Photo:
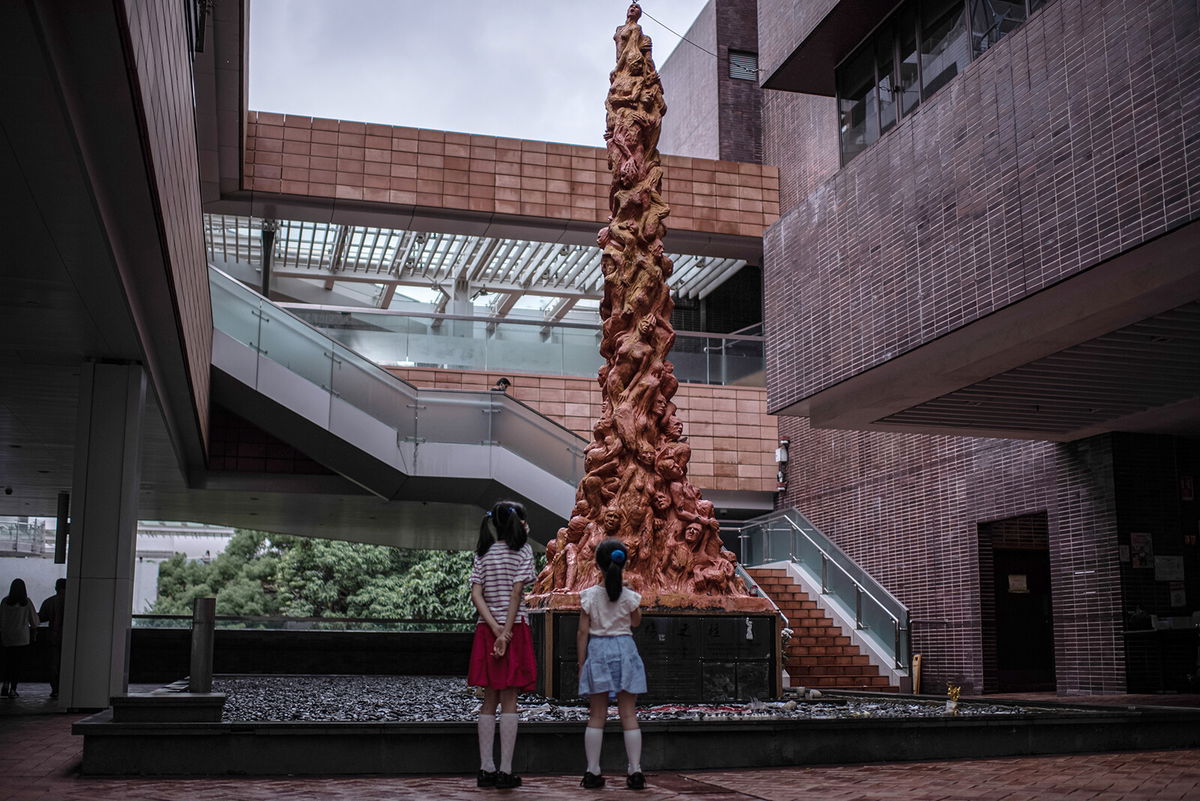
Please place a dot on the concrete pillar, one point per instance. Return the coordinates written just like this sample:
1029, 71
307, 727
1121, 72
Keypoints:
103, 535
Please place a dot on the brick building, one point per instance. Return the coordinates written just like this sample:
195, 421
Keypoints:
982, 319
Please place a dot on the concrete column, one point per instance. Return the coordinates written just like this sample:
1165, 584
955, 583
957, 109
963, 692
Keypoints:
103, 535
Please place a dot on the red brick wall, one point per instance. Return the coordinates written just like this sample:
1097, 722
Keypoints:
317, 157
1073, 140
908, 509
733, 438
164, 72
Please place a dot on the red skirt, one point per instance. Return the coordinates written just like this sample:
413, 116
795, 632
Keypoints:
516, 669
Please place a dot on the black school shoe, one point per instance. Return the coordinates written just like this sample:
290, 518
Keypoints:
487, 778
591, 781
635, 781
507, 781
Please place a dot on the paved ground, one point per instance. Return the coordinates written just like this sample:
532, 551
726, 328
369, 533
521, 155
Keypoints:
39, 759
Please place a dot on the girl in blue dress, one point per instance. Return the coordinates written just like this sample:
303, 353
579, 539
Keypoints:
612, 667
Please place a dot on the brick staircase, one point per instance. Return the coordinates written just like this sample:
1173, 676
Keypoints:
819, 655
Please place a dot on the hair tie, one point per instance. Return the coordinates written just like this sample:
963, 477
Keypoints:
617, 557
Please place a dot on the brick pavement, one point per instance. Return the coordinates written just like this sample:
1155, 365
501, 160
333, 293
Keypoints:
39, 759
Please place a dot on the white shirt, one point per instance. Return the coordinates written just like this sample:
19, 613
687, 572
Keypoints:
15, 622
608, 618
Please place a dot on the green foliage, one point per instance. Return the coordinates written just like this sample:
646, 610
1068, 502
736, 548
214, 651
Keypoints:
302, 577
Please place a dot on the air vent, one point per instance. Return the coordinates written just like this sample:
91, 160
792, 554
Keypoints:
743, 66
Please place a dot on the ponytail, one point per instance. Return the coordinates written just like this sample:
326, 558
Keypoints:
610, 558
508, 520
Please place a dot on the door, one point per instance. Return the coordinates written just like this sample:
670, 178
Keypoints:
1024, 620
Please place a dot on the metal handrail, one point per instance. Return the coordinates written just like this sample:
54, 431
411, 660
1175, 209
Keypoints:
829, 553
825, 559
467, 318
745, 576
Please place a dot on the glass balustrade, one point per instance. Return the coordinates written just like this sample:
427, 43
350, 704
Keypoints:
401, 339
415, 415
876, 614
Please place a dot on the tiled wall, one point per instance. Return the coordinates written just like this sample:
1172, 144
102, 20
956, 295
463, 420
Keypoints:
355, 161
908, 509
739, 104
709, 113
164, 73
691, 125
783, 25
805, 161
733, 438
1075, 139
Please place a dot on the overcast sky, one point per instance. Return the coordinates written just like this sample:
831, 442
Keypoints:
530, 69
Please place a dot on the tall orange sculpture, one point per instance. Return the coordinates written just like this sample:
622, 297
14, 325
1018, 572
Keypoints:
635, 484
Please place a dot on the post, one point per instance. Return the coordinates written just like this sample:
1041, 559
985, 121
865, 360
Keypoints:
204, 618
61, 530
858, 593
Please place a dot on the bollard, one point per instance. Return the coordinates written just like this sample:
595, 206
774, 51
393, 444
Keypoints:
204, 615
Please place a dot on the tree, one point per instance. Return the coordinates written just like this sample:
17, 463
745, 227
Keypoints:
261, 574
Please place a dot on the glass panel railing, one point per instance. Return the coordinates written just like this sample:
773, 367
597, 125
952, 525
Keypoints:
235, 313
524, 432
861, 599
451, 416
427, 415
404, 339
292, 344
366, 387
22, 537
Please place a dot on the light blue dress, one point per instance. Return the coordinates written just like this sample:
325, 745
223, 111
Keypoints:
612, 662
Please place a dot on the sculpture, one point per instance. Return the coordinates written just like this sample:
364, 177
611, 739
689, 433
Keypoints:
635, 482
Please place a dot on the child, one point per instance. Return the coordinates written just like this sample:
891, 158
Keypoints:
612, 666
502, 653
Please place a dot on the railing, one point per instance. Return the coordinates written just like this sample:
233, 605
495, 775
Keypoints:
787, 536
280, 623
453, 342
21, 537
414, 415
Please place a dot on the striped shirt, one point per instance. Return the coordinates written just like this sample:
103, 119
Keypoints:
498, 570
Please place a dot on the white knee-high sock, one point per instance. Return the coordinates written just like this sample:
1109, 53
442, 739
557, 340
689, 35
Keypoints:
633, 749
508, 739
592, 740
487, 738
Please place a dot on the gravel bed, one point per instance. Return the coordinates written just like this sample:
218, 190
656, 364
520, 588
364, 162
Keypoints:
440, 698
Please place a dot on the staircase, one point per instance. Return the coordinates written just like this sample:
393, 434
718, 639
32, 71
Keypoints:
819, 655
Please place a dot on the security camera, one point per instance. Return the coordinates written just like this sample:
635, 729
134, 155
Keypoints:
8, 490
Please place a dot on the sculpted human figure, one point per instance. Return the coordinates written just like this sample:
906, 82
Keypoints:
635, 484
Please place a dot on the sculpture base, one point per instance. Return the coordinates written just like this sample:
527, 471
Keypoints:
666, 601
691, 655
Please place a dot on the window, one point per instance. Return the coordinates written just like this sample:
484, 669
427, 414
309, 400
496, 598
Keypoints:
857, 106
992, 19
944, 51
923, 46
743, 66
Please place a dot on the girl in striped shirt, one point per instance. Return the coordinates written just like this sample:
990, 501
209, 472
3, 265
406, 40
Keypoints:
502, 660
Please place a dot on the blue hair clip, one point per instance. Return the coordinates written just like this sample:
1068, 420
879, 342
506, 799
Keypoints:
617, 556
489, 514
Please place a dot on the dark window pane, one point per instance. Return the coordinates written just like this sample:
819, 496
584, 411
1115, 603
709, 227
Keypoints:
1034, 5
945, 51
992, 19
858, 116
743, 65
885, 60
910, 75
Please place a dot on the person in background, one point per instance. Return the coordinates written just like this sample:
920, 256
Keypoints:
51, 612
18, 619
